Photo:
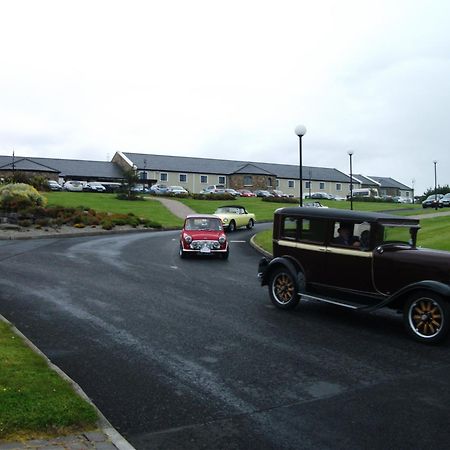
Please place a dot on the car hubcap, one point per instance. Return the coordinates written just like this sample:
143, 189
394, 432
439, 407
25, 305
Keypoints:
283, 288
426, 317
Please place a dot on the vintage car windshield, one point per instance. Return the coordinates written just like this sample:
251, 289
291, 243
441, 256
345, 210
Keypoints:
398, 234
229, 210
203, 224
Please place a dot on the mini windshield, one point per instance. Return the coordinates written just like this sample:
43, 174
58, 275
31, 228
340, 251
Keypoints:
203, 224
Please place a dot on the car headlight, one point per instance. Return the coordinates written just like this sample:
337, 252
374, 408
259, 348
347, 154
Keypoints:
225, 220
222, 240
187, 238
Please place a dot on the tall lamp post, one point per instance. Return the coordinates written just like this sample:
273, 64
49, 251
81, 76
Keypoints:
300, 131
435, 185
350, 154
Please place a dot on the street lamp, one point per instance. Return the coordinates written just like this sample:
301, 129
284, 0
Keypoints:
350, 154
144, 176
435, 185
300, 131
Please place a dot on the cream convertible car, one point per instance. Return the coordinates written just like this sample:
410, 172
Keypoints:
235, 217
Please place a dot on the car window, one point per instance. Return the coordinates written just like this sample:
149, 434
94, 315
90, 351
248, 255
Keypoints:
304, 230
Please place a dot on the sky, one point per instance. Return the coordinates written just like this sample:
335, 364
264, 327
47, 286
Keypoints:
231, 80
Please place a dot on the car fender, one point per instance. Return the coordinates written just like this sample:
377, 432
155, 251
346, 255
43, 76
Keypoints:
398, 298
266, 267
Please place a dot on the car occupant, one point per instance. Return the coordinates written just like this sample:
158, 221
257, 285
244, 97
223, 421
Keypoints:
345, 232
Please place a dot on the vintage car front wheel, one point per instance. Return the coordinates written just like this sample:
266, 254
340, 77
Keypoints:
283, 289
426, 317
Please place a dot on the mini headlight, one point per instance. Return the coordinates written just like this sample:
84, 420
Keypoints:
187, 238
222, 239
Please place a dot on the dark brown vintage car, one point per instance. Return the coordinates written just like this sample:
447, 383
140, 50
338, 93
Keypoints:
362, 261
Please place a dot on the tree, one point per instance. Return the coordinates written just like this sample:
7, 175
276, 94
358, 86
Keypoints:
130, 179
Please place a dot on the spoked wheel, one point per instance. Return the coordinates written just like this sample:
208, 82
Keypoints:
283, 289
250, 224
232, 226
426, 317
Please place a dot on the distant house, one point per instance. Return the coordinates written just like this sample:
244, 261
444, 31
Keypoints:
195, 174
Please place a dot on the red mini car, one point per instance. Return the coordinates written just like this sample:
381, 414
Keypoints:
203, 234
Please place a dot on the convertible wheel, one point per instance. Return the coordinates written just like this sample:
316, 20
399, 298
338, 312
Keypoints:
250, 224
426, 317
283, 289
232, 226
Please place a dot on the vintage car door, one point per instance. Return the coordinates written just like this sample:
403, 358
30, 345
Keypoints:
349, 265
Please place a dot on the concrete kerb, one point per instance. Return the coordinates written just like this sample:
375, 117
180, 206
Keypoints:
105, 426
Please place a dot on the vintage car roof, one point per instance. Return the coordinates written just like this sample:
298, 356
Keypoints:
231, 206
347, 215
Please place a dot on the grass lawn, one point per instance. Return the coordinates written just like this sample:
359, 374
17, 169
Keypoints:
435, 234
149, 209
34, 400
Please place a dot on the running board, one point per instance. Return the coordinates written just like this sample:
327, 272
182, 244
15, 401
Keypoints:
333, 302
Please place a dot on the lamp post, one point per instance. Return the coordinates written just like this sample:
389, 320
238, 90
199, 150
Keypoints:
300, 131
435, 185
350, 154
144, 176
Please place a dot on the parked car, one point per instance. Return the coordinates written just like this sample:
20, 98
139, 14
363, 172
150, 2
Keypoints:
214, 189
246, 193
73, 186
140, 189
234, 216
94, 186
360, 261
263, 193
232, 192
158, 189
432, 201
445, 200
176, 190
321, 195
277, 193
203, 234
314, 205
54, 185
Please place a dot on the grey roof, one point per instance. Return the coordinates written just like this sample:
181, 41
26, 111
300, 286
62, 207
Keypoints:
71, 168
386, 182
26, 164
228, 167
365, 180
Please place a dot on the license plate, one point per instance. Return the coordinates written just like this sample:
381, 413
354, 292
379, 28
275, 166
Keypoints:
205, 250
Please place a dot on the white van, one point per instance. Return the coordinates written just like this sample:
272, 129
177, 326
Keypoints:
73, 186
364, 192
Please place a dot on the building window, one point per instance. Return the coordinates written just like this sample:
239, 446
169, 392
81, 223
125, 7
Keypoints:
277, 182
338, 186
163, 176
183, 178
321, 186
204, 179
308, 184
269, 182
291, 183
143, 175
221, 180
248, 180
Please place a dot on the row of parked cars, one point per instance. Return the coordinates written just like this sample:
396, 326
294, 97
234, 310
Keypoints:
80, 186
437, 201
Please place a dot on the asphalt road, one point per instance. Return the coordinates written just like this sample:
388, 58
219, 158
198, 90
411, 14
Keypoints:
190, 354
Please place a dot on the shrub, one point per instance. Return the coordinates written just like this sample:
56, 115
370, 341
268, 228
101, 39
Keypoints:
280, 200
226, 197
107, 224
14, 197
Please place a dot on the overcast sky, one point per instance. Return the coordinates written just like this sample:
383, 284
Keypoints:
83, 79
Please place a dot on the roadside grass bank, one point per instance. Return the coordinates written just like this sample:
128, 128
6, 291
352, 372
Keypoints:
434, 234
35, 402
147, 209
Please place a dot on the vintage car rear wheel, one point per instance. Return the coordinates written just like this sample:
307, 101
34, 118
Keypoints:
250, 224
283, 289
426, 317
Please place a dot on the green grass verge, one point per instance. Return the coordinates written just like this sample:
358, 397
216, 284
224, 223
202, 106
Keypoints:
434, 234
34, 400
148, 209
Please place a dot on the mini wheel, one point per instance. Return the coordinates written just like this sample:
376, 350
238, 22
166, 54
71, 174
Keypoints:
283, 289
226, 254
426, 317
181, 252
